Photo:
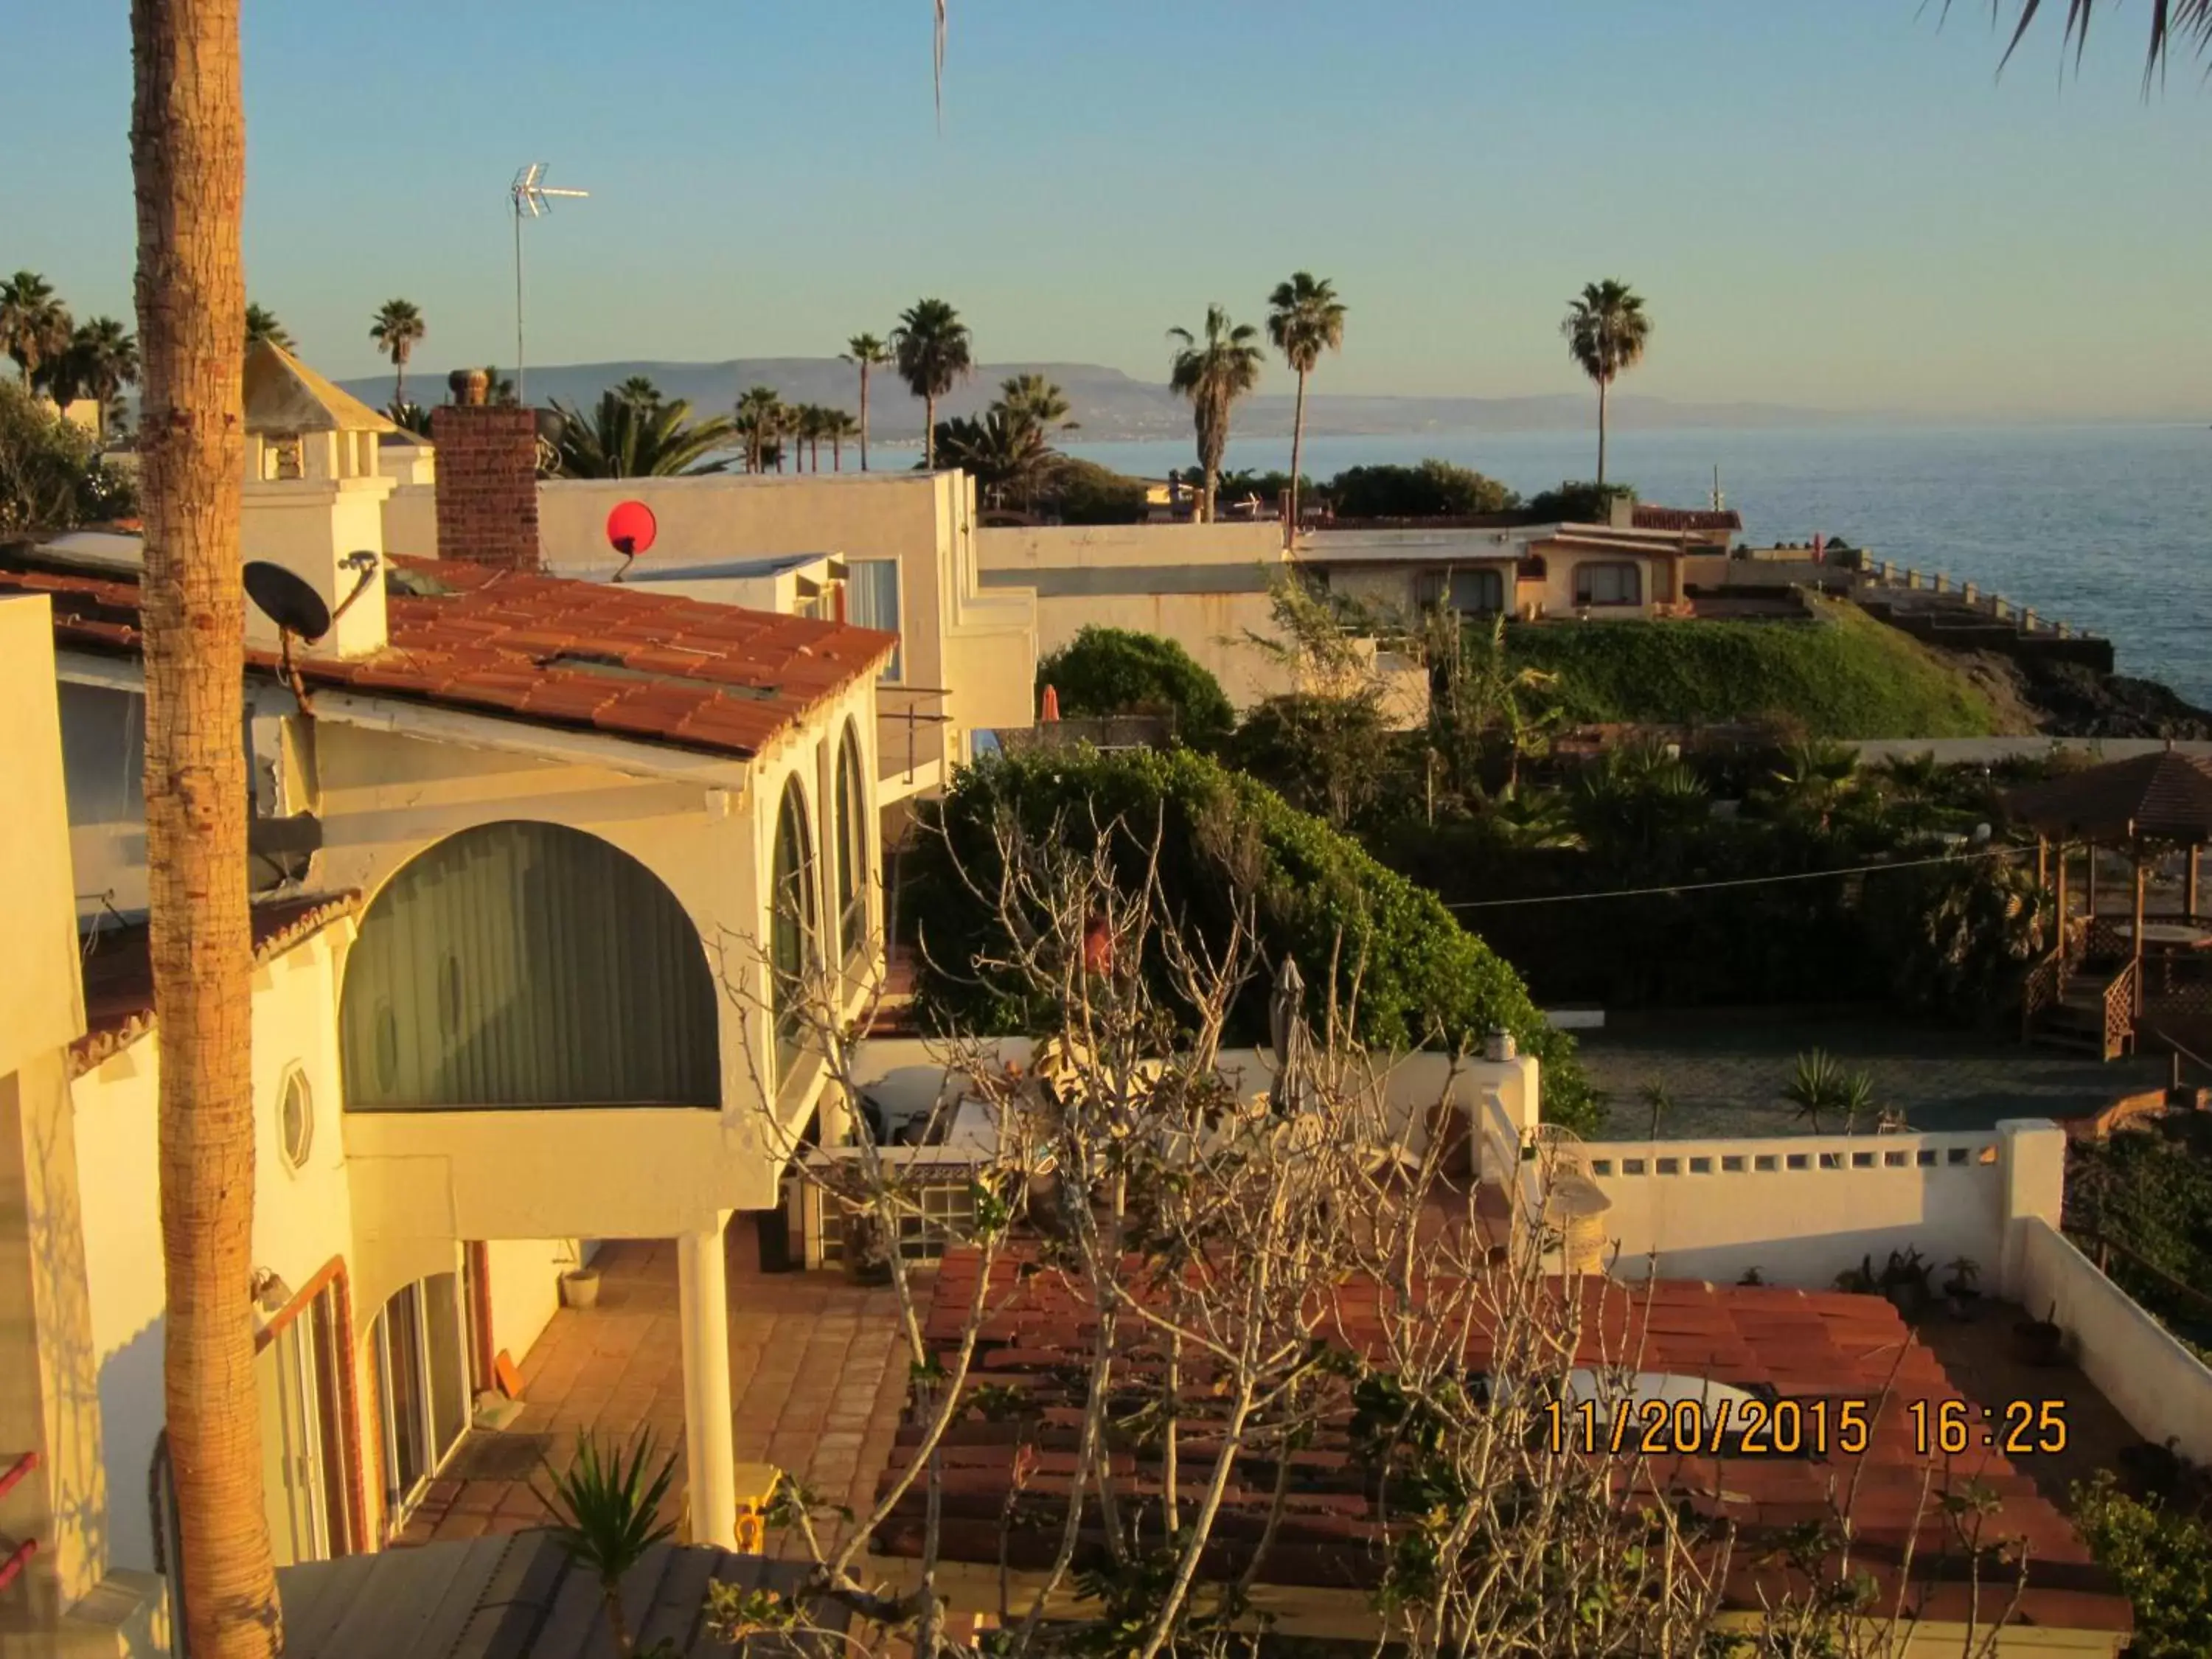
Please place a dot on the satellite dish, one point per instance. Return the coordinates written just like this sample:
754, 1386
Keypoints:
631, 529
287, 600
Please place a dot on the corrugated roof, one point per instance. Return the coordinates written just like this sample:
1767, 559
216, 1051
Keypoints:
1794, 1343
2159, 797
118, 969
597, 656
285, 397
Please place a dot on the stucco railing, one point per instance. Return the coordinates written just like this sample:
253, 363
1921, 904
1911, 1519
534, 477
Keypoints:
2163, 1389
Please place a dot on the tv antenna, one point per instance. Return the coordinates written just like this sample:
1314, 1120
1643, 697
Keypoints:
532, 198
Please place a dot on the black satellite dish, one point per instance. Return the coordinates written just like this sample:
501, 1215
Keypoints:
287, 600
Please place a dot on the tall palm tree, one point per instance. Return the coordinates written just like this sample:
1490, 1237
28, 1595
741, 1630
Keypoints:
35, 324
1037, 401
866, 351
756, 423
102, 358
932, 347
397, 326
1305, 318
839, 426
1606, 329
621, 439
188, 164
261, 324
1213, 369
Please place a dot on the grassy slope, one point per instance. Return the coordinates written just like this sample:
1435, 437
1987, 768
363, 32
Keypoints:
1849, 677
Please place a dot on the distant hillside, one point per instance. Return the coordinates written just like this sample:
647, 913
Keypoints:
1109, 404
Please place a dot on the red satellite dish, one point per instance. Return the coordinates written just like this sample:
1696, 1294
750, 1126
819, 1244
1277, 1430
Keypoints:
631, 528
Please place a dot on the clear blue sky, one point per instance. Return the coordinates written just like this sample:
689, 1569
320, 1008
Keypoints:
1825, 202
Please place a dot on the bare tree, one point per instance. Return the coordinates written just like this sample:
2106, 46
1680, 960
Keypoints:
1263, 1307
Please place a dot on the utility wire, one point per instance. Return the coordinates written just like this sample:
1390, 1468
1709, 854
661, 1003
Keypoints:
1741, 881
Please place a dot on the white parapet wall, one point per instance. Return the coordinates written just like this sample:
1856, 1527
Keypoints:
2163, 1389
1802, 1209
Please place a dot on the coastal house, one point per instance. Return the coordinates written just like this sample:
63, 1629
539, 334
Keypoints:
1482, 568
898, 551
539, 866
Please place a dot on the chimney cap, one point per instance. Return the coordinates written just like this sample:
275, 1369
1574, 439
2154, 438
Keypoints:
470, 386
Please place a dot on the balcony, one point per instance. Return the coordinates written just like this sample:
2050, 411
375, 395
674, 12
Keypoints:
911, 722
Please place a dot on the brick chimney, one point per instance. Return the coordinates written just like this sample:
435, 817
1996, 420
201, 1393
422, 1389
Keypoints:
487, 476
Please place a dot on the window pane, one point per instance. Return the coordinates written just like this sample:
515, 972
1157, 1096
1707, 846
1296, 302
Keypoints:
1477, 591
791, 931
448, 1362
871, 600
852, 843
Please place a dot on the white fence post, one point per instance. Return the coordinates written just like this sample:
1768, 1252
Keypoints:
2032, 1159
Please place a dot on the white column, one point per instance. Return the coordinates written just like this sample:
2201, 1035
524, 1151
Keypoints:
2032, 1165
709, 1459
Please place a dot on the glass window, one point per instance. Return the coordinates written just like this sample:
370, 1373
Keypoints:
295, 1119
871, 600
791, 936
852, 845
1609, 584
1477, 592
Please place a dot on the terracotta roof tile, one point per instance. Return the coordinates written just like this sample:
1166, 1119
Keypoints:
1686, 517
595, 655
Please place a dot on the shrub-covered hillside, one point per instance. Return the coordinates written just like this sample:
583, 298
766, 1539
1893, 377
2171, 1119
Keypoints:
1844, 676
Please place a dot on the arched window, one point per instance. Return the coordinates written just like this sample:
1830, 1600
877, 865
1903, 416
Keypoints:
793, 945
527, 964
852, 844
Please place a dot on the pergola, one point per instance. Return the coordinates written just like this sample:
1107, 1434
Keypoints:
2144, 807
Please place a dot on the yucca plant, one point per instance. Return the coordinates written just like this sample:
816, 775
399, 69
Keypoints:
606, 1515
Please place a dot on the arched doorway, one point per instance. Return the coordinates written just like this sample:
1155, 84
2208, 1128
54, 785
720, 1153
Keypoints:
527, 964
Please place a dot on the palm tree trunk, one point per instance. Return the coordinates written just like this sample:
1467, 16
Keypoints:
1600, 431
399, 380
617, 1618
188, 162
864, 417
929, 433
837, 452
1298, 449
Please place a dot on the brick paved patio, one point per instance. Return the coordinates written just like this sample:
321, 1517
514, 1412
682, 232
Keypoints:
817, 1380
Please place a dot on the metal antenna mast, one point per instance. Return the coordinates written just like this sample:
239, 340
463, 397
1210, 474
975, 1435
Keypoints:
532, 199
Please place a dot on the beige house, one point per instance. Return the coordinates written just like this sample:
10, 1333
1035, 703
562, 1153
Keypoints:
1597, 572
538, 863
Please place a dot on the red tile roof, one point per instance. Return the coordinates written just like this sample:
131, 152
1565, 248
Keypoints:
552, 652
1686, 517
118, 969
1788, 1342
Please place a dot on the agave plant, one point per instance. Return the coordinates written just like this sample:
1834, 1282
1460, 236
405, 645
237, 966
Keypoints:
1820, 1084
621, 439
606, 1516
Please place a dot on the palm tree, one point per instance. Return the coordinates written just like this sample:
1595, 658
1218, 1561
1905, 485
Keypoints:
498, 391
756, 423
840, 426
1002, 453
35, 324
606, 1517
619, 439
1214, 370
1606, 330
261, 324
866, 352
1305, 318
639, 389
397, 326
931, 345
102, 358
188, 166
2189, 21
1037, 401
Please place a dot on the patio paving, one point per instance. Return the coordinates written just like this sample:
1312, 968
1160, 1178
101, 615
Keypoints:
1724, 1077
816, 1381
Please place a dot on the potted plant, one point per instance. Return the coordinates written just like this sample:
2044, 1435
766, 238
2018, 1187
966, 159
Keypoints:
1961, 1296
868, 1247
2042, 1341
580, 1287
1904, 1282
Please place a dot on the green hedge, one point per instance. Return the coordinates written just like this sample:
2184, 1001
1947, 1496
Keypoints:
1112, 671
1844, 676
1424, 981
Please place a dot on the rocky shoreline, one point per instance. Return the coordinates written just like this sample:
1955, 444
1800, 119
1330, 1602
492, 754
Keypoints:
2069, 699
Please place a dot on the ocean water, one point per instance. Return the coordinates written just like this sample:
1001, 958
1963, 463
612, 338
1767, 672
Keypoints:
2106, 527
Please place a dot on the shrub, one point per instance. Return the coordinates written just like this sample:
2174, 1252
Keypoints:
1433, 489
2163, 1559
1958, 936
1112, 671
51, 476
1580, 503
1321, 754
1420, 978
1087, 493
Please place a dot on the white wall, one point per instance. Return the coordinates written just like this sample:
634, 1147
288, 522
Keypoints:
301, 1218
2162, 1389
526, 1288
1802, 1209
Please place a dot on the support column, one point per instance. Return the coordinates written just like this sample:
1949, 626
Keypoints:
2189, 896
702, 1306
2138, 936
